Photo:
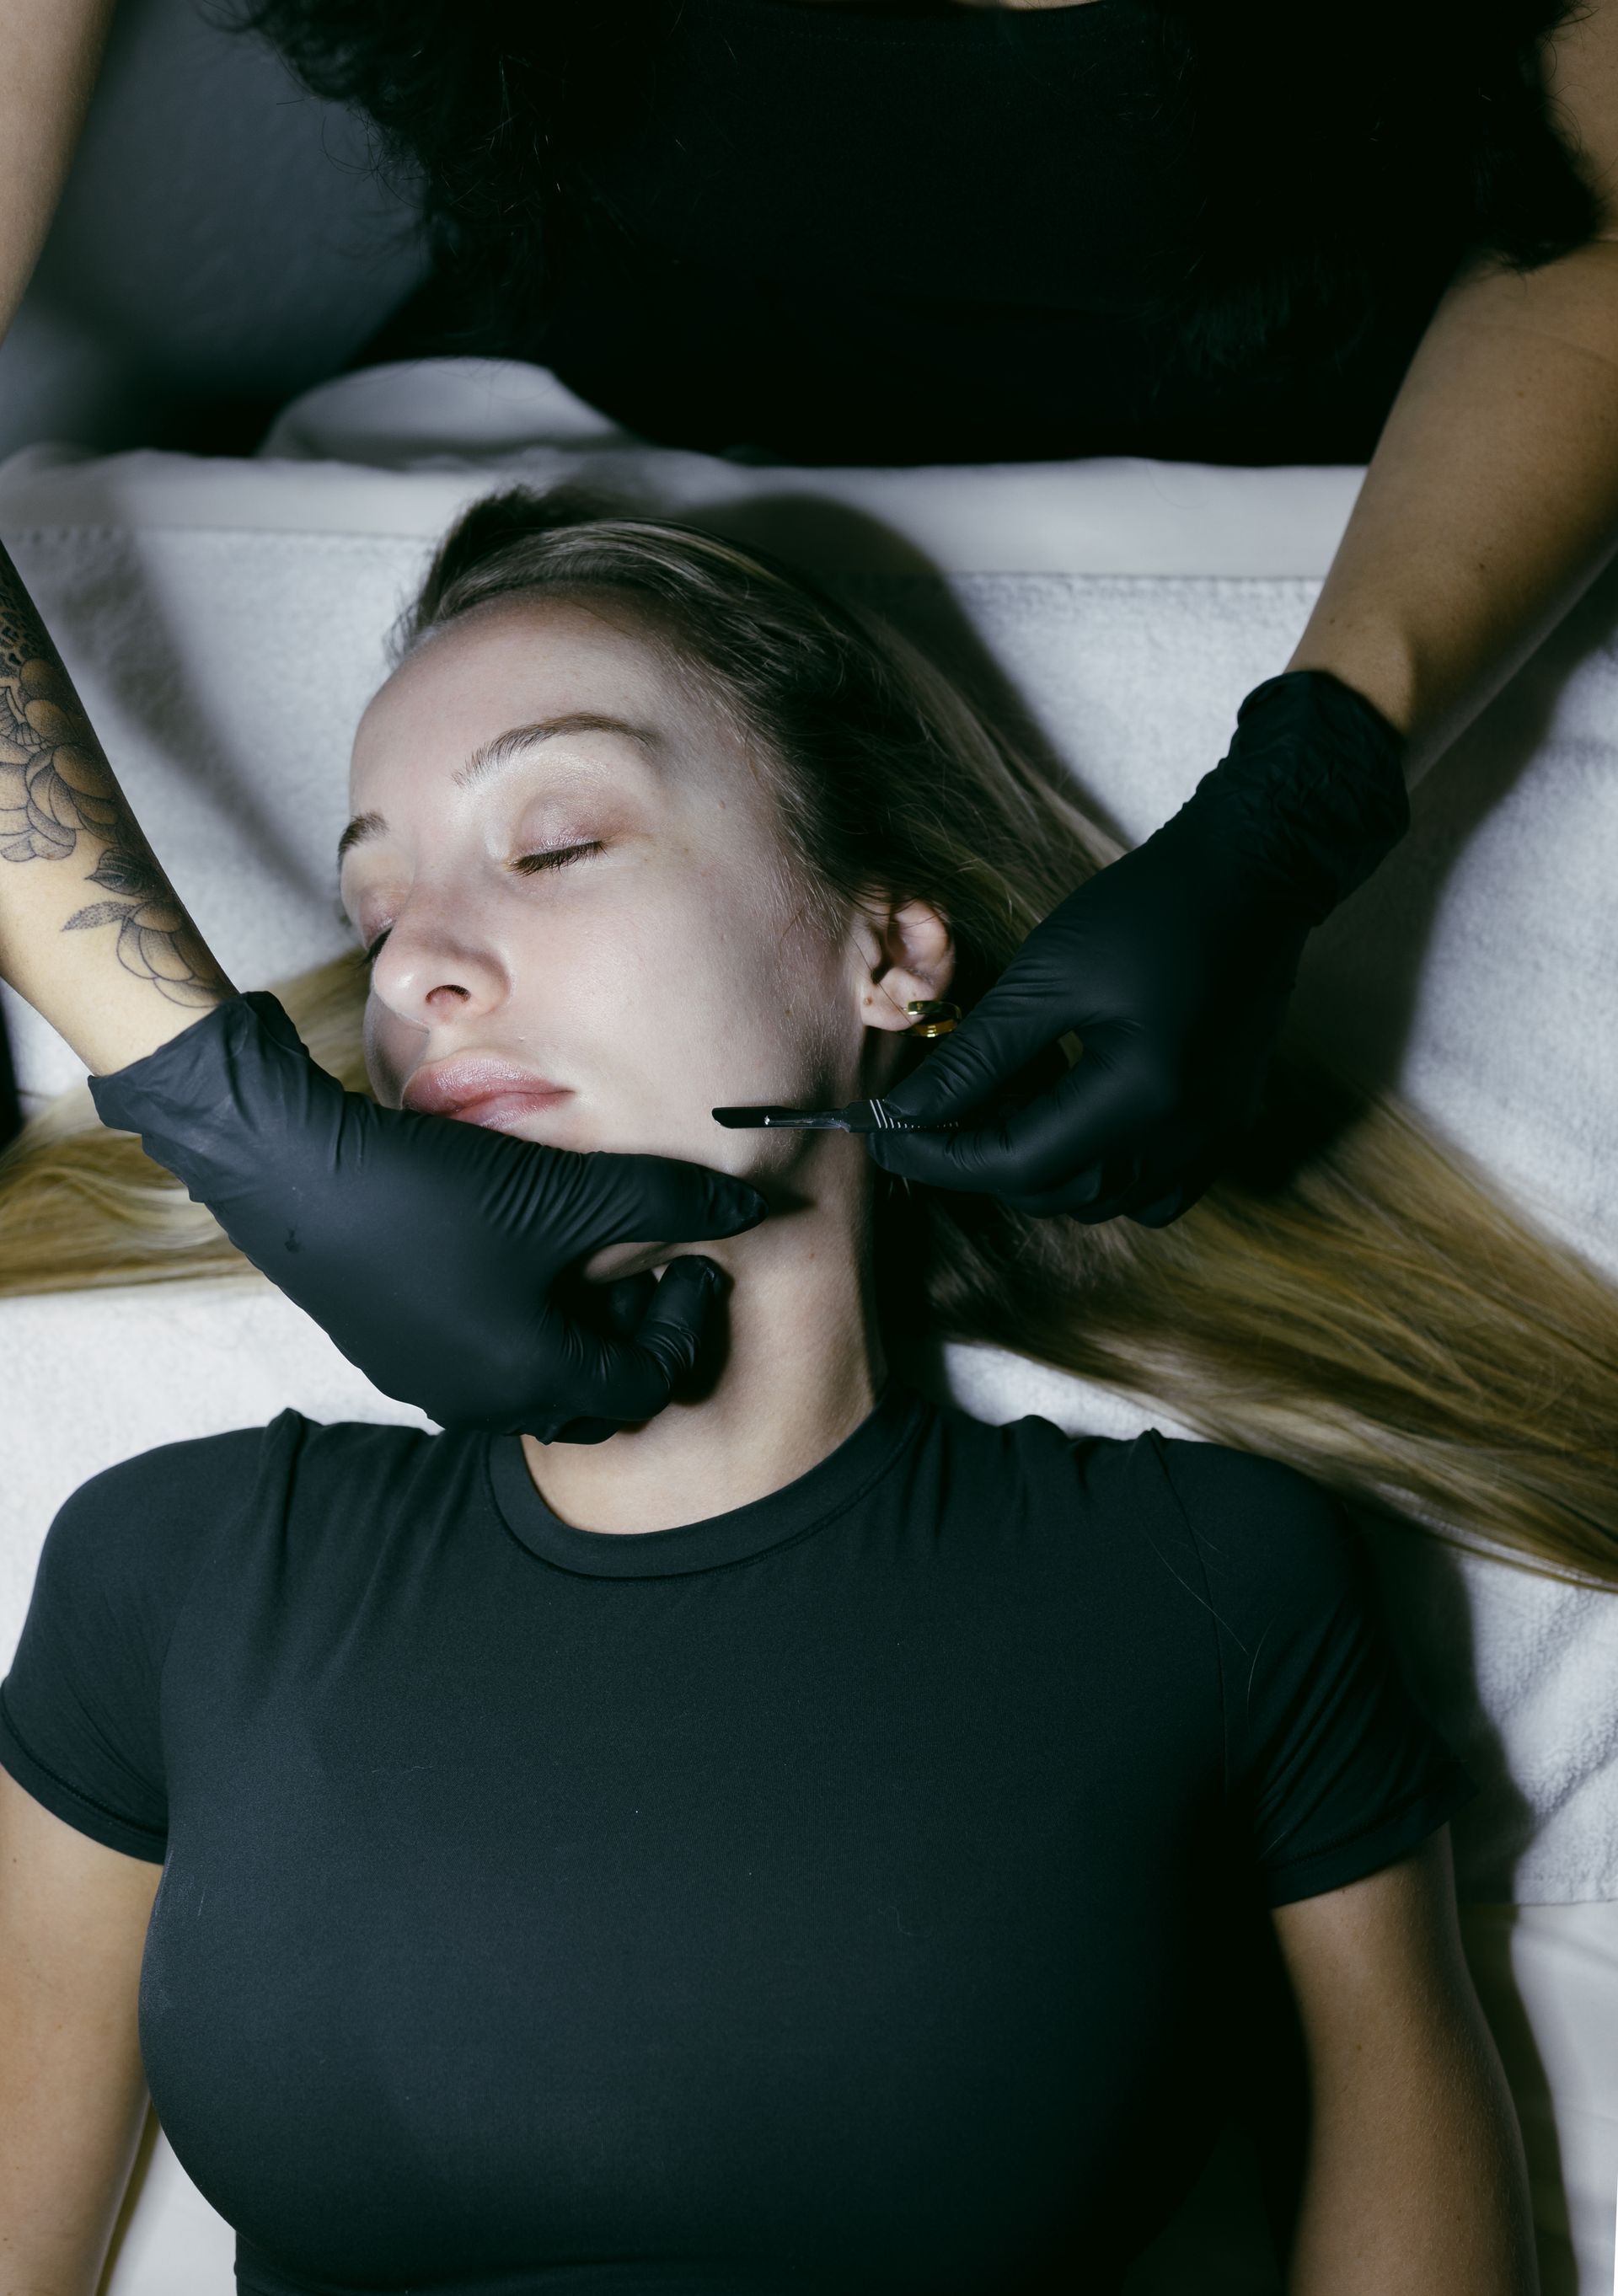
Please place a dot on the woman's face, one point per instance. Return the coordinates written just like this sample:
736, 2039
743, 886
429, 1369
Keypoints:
585, 933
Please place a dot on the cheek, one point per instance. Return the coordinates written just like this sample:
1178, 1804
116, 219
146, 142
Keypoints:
726, 1008
689, 1011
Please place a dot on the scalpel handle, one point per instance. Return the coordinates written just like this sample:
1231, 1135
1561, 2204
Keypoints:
858, 1116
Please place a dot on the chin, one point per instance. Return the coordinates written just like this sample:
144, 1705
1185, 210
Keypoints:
546, 1127
614, 1261
564, 1126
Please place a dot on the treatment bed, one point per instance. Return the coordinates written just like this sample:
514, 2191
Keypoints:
224, 620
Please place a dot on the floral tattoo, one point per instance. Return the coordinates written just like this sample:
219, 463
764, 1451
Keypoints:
56, 788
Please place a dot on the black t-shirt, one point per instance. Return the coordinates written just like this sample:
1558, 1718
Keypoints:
838, 235
839, 1894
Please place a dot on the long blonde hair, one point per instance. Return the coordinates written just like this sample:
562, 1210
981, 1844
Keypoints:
1350, 1297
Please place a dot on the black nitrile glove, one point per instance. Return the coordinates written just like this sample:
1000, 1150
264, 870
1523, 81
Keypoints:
1173, 966
429, 1249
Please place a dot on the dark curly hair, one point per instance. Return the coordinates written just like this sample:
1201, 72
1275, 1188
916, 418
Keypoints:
1348, 150
1344, 149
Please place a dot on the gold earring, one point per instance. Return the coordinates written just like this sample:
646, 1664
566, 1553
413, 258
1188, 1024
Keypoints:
934, 1016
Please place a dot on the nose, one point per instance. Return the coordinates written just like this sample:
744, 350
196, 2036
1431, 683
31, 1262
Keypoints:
434, 967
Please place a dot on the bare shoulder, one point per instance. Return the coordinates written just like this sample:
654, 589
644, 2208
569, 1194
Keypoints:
1581, 81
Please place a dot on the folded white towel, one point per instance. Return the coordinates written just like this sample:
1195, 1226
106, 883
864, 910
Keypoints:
225, 622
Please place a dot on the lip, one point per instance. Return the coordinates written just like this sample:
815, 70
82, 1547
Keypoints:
479, 1089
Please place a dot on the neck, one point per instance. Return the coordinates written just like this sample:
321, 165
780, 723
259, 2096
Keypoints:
803, 1366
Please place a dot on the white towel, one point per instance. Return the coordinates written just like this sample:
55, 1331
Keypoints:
224, 621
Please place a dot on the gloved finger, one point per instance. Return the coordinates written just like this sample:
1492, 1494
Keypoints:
1167, 1210
1010, 1025
1096, 1111
1167, 1207
583, 1201
631, 1380
625, 1301
1091, 1195
581, 1430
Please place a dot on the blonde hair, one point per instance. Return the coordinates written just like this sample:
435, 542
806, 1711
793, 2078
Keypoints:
1349, 1297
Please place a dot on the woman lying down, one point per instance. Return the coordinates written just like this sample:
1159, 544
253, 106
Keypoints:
809, 1839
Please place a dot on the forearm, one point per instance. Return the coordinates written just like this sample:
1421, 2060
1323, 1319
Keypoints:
1490, 503
51, 51
91, 931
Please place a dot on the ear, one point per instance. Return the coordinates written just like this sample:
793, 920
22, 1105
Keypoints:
906, 951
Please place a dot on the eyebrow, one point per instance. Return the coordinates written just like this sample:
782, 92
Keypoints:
490, 756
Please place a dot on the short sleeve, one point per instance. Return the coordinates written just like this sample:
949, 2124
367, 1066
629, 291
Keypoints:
1333, 1770
79, 1709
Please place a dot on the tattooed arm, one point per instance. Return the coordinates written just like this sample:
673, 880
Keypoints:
91, 931
439, 1257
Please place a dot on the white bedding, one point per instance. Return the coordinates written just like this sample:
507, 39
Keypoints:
224, 621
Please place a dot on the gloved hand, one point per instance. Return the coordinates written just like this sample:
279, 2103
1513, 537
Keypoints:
429, 1249
1173, 966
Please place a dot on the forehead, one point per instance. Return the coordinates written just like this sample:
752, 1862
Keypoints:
517, 661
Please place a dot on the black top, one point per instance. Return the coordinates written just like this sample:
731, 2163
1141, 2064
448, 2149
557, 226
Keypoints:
823, 233
840, 1894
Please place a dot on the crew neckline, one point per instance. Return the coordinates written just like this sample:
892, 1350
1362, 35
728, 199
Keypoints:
827, 1489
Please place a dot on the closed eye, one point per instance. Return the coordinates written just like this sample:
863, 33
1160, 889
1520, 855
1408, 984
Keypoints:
557, 856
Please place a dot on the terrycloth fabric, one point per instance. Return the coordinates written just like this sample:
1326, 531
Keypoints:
225, 622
